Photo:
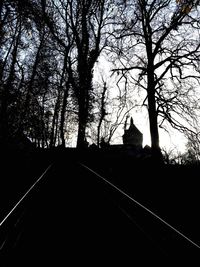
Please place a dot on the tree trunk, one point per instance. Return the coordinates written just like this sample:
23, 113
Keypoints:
62, 120
102, 113
153, 119
64, 102
54, 123
83, 117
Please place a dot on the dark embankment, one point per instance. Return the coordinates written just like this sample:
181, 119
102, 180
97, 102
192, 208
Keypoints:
72, 216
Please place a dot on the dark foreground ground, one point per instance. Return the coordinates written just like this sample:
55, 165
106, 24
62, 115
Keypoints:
72, 217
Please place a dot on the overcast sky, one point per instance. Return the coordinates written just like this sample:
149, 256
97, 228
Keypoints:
168, 140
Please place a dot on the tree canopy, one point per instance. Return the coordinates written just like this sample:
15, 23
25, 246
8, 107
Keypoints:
49, 52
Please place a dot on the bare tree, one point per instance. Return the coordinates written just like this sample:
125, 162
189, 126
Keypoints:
87, 21
193, 147
9, 79
102, 113
80, 41
158, 49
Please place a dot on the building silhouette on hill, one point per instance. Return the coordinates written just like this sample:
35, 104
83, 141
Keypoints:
132, 136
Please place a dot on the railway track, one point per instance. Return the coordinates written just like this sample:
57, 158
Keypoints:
73, 214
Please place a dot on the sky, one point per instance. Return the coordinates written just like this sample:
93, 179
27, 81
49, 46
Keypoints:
171, 140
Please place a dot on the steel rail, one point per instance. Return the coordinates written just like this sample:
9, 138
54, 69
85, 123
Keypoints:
141, 205
25, 195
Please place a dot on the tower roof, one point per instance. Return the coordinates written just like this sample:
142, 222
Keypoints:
132, 135
132, 128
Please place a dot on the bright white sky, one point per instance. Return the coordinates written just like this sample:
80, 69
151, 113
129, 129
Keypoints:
171, 140
168, 140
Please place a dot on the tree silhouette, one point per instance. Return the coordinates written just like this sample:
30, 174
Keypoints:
87, 23
49, 50
156, 48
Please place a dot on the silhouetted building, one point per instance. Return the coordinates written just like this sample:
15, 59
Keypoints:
132, 136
